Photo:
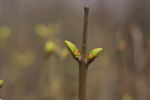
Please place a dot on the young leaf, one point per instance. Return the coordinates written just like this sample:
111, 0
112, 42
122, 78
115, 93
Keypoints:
49, 47
94, 53
71, 46
1, 83
73, 49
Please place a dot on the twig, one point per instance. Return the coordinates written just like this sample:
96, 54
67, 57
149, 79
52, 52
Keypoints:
83, 58
83, 66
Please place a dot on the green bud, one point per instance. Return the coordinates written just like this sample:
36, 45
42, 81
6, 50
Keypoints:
1, 83
73, 49
94, 53
71, 46
49, 47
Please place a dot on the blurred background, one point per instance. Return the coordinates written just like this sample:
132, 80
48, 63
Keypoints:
121, 27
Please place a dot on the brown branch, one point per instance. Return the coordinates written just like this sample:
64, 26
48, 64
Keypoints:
85, 28
82, 80
83, 66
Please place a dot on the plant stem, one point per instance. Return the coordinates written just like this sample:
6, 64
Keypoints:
85, 28
83, 66
82, 80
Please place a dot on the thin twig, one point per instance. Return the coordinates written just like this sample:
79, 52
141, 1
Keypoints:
85, 28
83, 66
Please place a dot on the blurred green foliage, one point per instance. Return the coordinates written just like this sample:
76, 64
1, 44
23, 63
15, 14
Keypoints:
22, 59
63, 53
1, 83
127, 97
49, 47
45, 31
4, 35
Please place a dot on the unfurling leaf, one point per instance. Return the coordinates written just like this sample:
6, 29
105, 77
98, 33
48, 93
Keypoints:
71, 46
49, 47
73, 49
94, 53
1, 83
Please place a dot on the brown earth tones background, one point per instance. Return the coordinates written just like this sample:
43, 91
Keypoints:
121, 27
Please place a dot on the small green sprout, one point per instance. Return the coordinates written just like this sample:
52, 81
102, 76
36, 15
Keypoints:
50, 47
73, 49
1, 83
94, 53
71, 46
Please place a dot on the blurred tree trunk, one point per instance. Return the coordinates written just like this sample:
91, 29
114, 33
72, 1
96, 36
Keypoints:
139, 62
124, 52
